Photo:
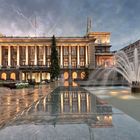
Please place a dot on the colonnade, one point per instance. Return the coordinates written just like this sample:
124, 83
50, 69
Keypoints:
61, 53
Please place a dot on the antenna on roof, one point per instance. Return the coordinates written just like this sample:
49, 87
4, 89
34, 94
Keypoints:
89, 24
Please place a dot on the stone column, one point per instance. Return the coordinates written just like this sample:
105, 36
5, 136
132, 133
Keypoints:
20, 75
9, 56
69, 56
44, 55
0, 56
40, 76
79, 103
44, 104
86, 56
30, 74
26, 55
17, 55
62, 104
25, 79
35, 62
88, 103
61, 57
78, 57
70, 102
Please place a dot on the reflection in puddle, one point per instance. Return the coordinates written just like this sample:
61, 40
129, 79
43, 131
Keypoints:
12, 102
68, 105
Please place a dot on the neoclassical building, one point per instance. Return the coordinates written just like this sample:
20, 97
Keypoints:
23, 58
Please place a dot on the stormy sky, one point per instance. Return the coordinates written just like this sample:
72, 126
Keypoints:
69, 18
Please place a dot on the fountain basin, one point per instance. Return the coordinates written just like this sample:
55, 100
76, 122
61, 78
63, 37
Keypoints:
135, 87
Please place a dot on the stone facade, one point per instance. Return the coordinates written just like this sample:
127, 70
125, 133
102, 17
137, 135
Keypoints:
23, 58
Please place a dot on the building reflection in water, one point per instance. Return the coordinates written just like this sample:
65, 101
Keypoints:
70, 105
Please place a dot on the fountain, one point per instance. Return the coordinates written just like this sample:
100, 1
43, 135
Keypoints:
129, 70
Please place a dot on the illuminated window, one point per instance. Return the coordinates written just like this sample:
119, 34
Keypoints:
66, 75
66, 83
73, 62
66, 62
82, 75
48, 62
82, 62
3, 76
74, 75
105, 61
40, 63
13, 76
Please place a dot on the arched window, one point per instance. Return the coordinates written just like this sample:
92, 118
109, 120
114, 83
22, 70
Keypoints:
13, 76
74, 75
66, 75
3, 76
82, 75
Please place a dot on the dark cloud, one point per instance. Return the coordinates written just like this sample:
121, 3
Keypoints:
68, 18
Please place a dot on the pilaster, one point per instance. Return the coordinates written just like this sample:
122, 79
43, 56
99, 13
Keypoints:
27, 55
61, 57
0, 56
35, 62
44, 56
18, 55
9, 55
78, 57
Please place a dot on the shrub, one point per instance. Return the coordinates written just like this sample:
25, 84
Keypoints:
22, 85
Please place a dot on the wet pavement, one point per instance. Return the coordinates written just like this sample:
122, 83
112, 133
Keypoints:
120, 97
71, 114
14, 101
67, 113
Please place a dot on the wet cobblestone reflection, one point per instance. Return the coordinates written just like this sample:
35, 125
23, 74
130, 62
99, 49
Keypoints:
68, 105
15, 101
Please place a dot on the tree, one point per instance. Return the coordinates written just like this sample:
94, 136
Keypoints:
54, 67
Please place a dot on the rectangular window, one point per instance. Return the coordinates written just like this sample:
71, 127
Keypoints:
40, 52
66, 51
82, 62
48, 51
48, 62
82, 50
13, 56
74, 62
66, 64
73, 51
4, 56
22, 52
31, 50
40, 63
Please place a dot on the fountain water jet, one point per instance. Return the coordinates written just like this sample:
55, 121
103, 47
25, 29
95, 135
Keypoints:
129, 70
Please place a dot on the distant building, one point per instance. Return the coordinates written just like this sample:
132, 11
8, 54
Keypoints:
129, 50
24, 58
